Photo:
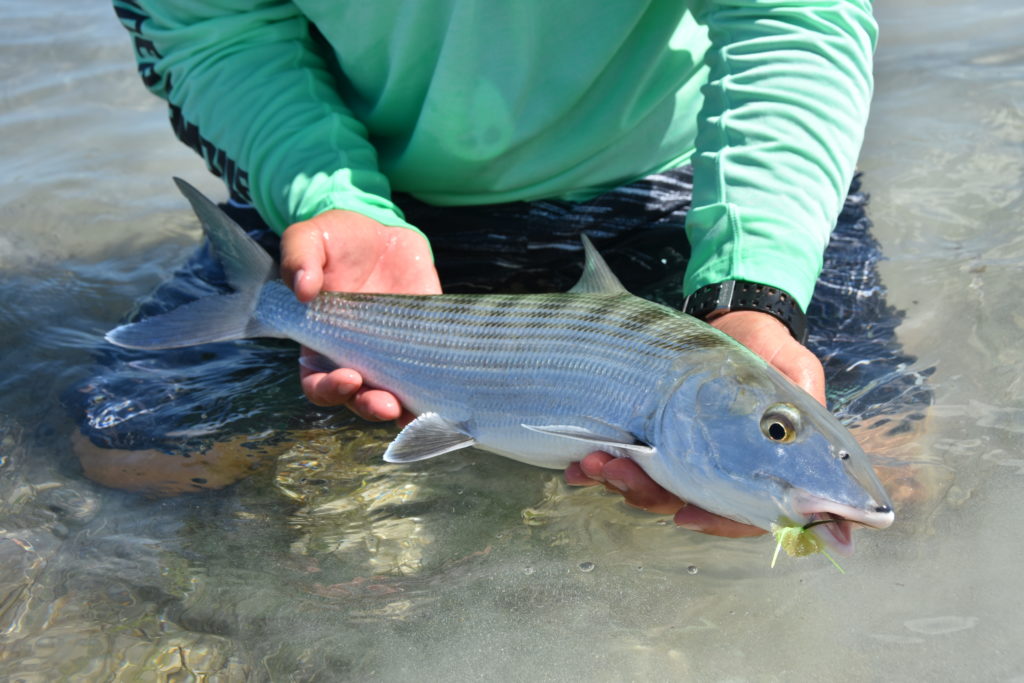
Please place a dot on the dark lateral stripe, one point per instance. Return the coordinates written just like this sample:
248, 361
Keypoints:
479, 320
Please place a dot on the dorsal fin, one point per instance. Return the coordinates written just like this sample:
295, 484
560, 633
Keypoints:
597, 277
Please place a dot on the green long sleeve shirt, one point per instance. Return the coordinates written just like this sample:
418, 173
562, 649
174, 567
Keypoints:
309, 105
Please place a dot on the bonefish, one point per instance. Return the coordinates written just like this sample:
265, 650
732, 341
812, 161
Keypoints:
547, 378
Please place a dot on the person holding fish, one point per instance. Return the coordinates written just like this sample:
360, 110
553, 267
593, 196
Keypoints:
390, 144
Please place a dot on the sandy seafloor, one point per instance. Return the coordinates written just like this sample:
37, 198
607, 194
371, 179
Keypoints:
326, 565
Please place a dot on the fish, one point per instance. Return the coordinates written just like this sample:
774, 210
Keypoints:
545, 379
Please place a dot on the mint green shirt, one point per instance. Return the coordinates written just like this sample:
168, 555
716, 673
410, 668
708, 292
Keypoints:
463, 102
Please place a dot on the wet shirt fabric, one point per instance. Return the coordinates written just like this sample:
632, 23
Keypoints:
309, 105
181, 401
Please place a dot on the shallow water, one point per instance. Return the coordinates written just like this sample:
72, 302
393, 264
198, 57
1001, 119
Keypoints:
328, 565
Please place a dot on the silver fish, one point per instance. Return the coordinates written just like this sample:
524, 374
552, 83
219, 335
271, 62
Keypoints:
545, 379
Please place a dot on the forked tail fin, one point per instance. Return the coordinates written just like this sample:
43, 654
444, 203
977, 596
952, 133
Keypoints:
214, 318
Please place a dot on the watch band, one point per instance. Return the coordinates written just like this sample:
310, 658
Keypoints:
741, 295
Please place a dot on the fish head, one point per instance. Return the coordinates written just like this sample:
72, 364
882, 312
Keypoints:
742, 441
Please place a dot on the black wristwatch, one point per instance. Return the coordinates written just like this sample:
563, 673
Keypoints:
740, 295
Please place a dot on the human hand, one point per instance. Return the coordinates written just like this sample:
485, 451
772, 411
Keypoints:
623, 476
344, 251
768, 338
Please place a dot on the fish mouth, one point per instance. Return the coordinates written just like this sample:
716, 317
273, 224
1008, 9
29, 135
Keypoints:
833, 522
835, 531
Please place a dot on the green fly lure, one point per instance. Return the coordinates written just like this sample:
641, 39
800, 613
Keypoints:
798, 540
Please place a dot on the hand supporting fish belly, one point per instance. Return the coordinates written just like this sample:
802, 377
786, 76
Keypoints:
624, 477
547, 379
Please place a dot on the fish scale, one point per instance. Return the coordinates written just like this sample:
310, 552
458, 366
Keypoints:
495, 344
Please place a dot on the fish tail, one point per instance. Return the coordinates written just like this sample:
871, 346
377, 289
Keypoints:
214, 318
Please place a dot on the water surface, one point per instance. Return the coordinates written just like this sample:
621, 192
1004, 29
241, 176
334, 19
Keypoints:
328, 565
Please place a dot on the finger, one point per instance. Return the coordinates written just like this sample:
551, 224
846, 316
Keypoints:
805, 370
801, 367
625, 477
330, 389
637, 487
592, 466
376, 405
769, 338
574, 476
695, 519
302, 260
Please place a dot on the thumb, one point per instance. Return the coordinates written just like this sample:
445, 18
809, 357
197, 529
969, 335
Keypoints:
769, 338
302, 260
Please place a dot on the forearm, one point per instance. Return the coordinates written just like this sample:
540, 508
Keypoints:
778, 137
251, 92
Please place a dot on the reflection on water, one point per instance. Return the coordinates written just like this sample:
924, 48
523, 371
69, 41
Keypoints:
327, 565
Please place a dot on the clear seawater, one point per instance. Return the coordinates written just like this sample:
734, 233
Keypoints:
326, 564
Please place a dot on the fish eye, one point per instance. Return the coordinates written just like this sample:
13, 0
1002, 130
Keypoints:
781, 422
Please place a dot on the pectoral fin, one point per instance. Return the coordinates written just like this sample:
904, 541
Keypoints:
427, 436
623, 446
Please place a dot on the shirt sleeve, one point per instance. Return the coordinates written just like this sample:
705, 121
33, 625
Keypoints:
249, 89
782, 123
